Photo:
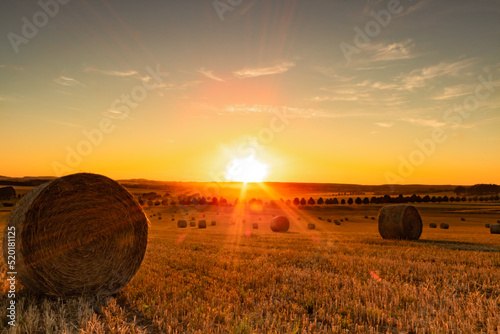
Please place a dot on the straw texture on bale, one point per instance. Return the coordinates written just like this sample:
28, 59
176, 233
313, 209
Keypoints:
82, 234
495, 228
255, 226
433, 225
202, 224
311, 226
399, 222
280, 224
181, 223
444, 226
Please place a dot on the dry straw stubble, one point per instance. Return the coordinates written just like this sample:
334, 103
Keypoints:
82, 234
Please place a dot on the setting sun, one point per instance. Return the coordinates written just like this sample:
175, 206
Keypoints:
246, 170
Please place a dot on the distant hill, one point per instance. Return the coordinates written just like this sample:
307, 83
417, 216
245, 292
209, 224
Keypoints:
283, 187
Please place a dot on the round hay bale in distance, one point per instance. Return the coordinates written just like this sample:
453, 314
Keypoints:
462, 219
433, 225
192, 223
329, 220
255, 226
346, 219
311, 226
495, 228
202, 224
213, 223
399, 222
444, 226
81, 234
337, 222
280, 224
487, 225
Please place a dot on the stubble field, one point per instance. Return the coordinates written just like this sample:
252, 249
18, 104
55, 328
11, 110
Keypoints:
231, 278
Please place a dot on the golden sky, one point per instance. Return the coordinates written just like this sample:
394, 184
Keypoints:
367, 92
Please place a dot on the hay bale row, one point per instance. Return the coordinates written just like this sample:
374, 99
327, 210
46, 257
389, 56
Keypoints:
181, 223
311, 226
399, 222
444, 226
433, 225
280, 224
70, 244
495, 228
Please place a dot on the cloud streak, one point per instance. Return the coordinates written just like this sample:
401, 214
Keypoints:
209, 74
282, 67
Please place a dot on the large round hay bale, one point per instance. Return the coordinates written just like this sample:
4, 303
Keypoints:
280, 224
433, 225
82, 234
311, 226
181, 223
202, 224
399, 222
495, 228
444, 226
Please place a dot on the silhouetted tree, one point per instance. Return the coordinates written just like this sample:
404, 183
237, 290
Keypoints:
311, 201
460, 190
288, 202
320, 201
366, 200
446, 199
296, 201
426, 199
303, 201
433, 199
342, 201
335, 201
350, 201
358, 201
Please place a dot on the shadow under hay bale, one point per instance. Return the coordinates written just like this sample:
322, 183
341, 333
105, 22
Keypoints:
433, 225
181, 223
82, 234
280, 224
401, 222
444, 226
202, 224
495, 228
311, 226
255, 226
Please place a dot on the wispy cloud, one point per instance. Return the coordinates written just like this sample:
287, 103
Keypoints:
433, 123
121, 74
385, 124
67, 81
209, 74
12, 67
331, 73
393, 51
417, 78
257, 72
454, 92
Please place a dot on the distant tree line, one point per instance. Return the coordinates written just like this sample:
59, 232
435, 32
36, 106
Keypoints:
478, 189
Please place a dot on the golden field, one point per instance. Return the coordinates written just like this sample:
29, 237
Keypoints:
231, 278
